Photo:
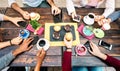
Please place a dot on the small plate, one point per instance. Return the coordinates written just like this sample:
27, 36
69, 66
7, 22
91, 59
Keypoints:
88, 22
27, 34
45, 47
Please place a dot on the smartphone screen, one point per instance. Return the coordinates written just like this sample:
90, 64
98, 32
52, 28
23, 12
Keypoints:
76, 18
105, 44
22, 23
87, 45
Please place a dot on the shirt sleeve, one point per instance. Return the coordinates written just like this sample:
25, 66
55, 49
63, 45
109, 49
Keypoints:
1, 17
10, 2
70, 6
6, 59
66, 62
110, 7
113, 62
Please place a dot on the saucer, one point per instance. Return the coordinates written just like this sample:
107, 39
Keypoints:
45, 47
87, 32
80, 49
99, 33
88, 22
27, 33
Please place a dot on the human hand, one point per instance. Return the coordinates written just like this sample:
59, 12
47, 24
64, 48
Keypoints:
103, 21
25, 45
55, 10
15, 20
73, 14
99, 17
26, 15
68, 43
16, 40
96, 51
40, 55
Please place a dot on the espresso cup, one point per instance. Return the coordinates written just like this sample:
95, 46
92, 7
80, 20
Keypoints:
42, 43
89, 19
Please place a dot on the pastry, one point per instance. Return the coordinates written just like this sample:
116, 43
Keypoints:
56, 35
68, 36
67, 28
34, 16
57, 28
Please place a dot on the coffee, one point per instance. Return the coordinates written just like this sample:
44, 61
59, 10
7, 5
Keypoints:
42, 43
91, 16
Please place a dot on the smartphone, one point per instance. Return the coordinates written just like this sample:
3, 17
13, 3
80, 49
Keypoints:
22, 23
36, 38
105, 44
87, 45
77, 18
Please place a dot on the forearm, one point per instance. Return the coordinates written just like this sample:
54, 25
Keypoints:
51, 3
102, 56
37, 67
17, 51
16, 7
4, 44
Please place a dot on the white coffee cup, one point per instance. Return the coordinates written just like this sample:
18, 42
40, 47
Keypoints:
89, 19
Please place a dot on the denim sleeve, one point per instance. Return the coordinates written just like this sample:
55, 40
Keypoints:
114, 16
6, 59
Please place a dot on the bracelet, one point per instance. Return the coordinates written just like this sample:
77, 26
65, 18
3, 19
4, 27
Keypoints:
10, 42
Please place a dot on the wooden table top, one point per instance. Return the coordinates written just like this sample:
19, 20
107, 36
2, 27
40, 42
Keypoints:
54, 54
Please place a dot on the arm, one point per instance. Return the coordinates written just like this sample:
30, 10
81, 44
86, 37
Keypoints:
16, 7
70, 8
66, 61
5, 60
55, 9
108, 59
110, 8
40, 56
14, 41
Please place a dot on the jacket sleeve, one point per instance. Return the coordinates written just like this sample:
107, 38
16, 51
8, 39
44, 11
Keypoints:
6, 59
70, 6
113, 62
66, 62
1, 17
109, 7
10, 2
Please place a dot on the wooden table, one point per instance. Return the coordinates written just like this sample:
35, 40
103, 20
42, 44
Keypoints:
112, 36
54, 54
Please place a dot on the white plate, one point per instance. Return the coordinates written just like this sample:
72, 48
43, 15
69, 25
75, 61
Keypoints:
45, 47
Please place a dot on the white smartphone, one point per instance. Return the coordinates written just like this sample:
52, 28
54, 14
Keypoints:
77, 18
105, 44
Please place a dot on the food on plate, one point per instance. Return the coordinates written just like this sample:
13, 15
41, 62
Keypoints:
57, 28
34, 16
67, 28
68, 36
35, 24
56, 35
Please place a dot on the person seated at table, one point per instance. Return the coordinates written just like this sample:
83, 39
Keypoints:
40, 57
6, 59
66, 60
34, 3
112, 17
14, 20
106, 58
109, 6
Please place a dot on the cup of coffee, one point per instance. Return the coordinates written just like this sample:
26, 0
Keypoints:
89, 19
80, 49
43, 43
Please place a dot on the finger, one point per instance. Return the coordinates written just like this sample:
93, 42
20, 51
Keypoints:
91, 44
17, 25
90, 50
39, 52
29, 47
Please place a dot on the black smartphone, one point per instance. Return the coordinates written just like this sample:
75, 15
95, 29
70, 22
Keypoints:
105, 44
36, 38
77, 18
87, 45
57, 18
22, 23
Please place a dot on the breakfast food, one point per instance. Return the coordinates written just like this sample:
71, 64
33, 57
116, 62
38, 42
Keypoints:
34, 16
56, 35
57, 28
67, 28
68, 36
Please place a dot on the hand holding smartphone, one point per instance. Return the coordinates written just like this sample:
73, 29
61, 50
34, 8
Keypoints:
105, 44
77, 18
22, 23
